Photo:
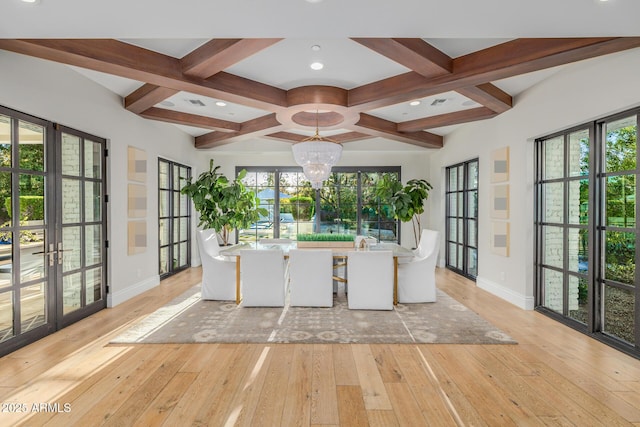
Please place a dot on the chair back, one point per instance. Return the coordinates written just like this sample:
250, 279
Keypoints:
311, 277
218, 273
429, 243
262, 278
208, 242
370, 278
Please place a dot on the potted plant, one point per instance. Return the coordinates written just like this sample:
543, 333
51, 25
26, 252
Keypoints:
223, 204
405, 203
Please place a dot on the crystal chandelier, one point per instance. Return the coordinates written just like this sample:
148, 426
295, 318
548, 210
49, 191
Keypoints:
317, 155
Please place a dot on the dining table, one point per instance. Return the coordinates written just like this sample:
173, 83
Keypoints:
400, 253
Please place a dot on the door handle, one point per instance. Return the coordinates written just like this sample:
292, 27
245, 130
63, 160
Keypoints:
51, 253
60, 250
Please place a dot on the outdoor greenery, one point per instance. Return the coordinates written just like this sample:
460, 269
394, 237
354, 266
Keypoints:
325, 237
405, 203
301, 207
31, 158
621, 148
31, 207
223, 204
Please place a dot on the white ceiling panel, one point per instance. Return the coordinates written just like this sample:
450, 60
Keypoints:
186, 102
286, 64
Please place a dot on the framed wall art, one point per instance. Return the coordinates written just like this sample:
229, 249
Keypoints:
500, 165
500, 201
500, 238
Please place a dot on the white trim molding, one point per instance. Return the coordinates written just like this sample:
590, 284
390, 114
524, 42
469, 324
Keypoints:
131, 291
525, 302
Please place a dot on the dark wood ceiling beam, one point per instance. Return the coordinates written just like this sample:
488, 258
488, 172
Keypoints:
341, 138
345, 137
526, 55
456, 118
376, 126
506, 60
415, 54
219, 54
286, 136
257, 127
125, 60
205, 61
248, 92
488, 95
146, 97
179, 118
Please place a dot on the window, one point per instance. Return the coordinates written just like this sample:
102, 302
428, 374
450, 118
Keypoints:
462, 218
345, 204
174, 218
586, 230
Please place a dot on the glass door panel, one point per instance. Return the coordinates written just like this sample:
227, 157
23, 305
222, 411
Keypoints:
51, 188
24, 231
80, 206
173, 218
461, 218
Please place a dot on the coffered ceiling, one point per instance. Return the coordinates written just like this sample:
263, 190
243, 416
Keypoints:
228, 85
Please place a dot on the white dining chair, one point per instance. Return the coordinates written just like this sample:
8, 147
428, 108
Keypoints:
218, 272
416, 278
262, 278
370, 277
311, 277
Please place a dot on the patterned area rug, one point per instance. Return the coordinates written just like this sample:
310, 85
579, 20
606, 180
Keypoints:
188, 319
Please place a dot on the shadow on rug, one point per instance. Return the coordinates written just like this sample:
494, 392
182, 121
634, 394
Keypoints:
188, 319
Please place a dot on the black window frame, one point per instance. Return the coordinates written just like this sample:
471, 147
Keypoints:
466, 218
336, 169
171, 270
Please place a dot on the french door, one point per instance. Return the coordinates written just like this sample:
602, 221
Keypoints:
174, 218
586, 229
462, 218
52, 227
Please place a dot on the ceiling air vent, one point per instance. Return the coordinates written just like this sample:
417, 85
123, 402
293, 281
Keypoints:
195, 102
438, 101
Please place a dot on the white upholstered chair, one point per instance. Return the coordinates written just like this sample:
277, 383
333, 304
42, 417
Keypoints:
262, 274
218, 272
370, 278
310, 277
416, 278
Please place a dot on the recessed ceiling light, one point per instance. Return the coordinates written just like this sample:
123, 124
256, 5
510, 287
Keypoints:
221, 104
31, 1
315, 47
314, 1
414, 103
317, 66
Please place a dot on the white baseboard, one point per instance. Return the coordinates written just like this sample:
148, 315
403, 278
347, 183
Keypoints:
523, 301
129, 292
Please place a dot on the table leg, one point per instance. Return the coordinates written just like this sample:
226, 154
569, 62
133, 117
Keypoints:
238, 297
395, 280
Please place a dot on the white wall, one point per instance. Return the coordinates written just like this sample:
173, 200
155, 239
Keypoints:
57, 93
576, 94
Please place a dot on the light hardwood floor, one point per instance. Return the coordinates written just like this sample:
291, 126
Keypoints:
554, 376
